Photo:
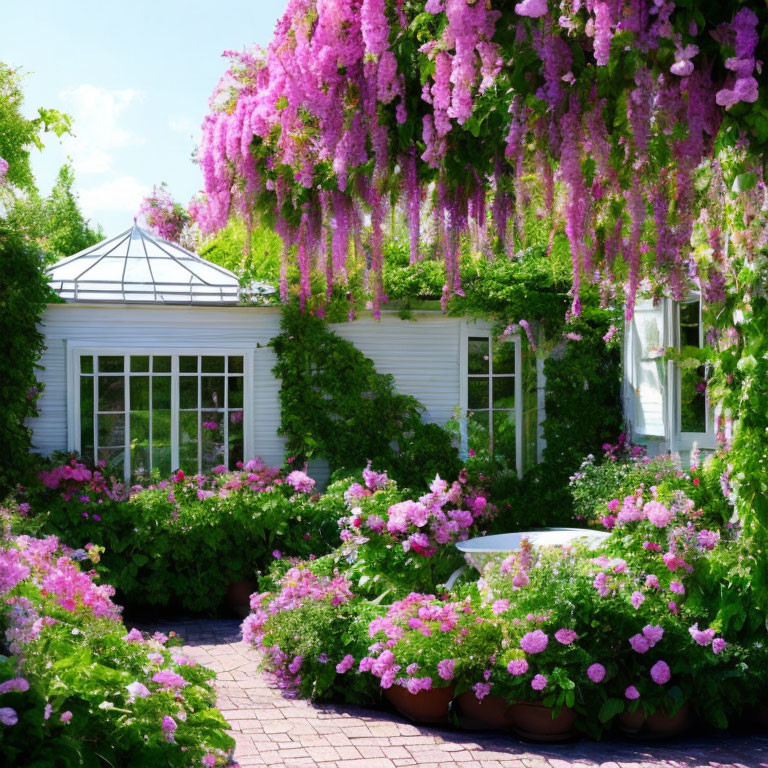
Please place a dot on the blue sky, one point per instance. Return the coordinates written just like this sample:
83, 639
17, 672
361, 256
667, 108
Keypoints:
136, 79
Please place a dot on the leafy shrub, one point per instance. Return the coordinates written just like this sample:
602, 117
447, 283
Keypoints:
180, 543
76, 689
335, 405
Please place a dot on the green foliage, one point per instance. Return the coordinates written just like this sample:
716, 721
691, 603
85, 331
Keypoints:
55, 222
335, 405
23, 294
167, 547
18, 133
252, 255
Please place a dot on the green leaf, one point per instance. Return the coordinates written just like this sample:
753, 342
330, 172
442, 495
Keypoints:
609, 710
744, 182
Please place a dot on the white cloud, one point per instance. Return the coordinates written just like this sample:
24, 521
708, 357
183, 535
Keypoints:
98, 127
183, 124
123, 193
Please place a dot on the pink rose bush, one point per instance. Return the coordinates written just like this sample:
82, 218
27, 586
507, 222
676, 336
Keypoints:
70, 666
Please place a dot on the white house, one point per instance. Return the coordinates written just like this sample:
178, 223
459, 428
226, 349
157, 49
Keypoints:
152, 362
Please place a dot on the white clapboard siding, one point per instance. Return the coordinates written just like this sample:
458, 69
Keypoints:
422, 355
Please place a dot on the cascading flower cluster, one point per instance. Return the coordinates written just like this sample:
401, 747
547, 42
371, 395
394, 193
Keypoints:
325, 124
165, 217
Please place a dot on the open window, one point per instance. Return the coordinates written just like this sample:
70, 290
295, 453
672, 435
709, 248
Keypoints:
159, 410
500, 400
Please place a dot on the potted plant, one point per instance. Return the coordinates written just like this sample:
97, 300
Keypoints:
417, 653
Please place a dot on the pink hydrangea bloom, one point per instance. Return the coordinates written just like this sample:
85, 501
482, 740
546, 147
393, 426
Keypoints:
639, 643
301, 481
517, 667
660, 673
445, 668
652, 581
66, 716
677, 587
534, 642
19, 684
637, 599
631, 692
8, 716
169, 727
168, 679
137, 690
481, 690
718, 645
539, 683
708, 539
701, 636
565, 636
345, 664
500, 606
134, 636
653, 634
596, 673
657, 514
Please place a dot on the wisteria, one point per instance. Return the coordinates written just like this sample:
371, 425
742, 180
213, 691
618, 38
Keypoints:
356, 103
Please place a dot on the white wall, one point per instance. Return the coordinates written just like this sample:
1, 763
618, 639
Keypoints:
422, 355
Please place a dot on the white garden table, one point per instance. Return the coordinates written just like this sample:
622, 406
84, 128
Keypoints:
477, 552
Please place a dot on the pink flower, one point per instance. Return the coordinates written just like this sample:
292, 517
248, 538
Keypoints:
345, 664
500, 606
637, 599
718, 645
660, 673
701, 636
445, 668
66, 716
653, 634
652, 581
631, 692
137, 690
565, 636
534, 642
639, 643
539, 683
8, 716
533, 9
517, 667
596, 673
169, 679
657, 514
301, 481
677, 587
481, 690
15, 684
169, 727
209, 760
134, 636
708, 539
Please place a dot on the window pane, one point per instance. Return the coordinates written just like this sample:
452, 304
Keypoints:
111, 430
213, 364
111, 393
689, 324
188, 442
235, 364
504, 435
139, 393
235, 391
139, 435
86, 364
188, 364
212, 391
140, 364
161, 424
693, 400
504, 392
113, 460
86, 418
212, 433
161, 364
478, 355
504, 358
112, 364
235, 438
188, 391
161, 392
477, 431
477, 395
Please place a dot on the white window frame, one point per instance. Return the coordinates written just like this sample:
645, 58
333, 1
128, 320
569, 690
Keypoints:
472, 330
685, 441
76, 350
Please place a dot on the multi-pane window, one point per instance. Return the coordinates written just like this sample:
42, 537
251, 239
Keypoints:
140, 413
491, 397
694, 415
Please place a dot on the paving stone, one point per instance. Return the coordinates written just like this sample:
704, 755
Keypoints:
273, 732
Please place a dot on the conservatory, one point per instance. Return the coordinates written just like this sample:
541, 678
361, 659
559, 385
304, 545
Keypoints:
154, 362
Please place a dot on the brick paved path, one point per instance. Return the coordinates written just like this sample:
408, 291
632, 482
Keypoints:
272, 731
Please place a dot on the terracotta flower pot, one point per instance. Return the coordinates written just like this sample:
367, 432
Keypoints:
423, 707
534, 722
238, 596
488, 714
655, 726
